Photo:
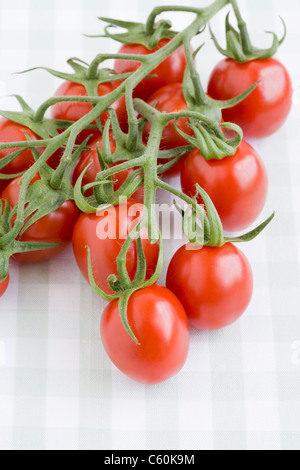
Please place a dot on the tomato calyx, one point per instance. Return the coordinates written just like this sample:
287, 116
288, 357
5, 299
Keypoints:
121, 284
194, 95
44, 192
43, 127
208, 137
88, 75
9, 242
239, 46
199, 234
122, 159
137, 33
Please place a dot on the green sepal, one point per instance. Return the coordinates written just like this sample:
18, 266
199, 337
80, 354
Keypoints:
88, 205
197, 100
4, 263
42, 200
61, 177
216, 227
45, 129
170, 164
125, 149
92, 281
168, 154
123, 305
82, 75
103, 192
13, 246
4, 161
191, 228
114, 283
136, 32
141, 268
234, 45
211, 141
247, 237
25, 247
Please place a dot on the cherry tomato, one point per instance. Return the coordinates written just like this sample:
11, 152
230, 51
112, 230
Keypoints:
170, 99
159, 322
266, 109
75, 111
90, 176
4, 286
237, 185
56, 227
214, 285
105, 233
171, 70
12, 132
3, 184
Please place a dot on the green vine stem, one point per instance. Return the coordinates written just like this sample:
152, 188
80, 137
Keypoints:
245, 38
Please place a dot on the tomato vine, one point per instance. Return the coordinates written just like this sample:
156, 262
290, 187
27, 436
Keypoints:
203, 114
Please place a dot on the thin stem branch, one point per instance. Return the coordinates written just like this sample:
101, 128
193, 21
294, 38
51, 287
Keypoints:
246, 42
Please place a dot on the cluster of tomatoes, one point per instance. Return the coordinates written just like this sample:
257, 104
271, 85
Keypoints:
208, 288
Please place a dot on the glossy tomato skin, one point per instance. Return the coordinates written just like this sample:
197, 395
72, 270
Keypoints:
3, 184
214, 285
117, 222
159, 322
4, 286
91, 156
56, 227
268, 106
170, 99
75, 111
13, 132
237, 185
171, 70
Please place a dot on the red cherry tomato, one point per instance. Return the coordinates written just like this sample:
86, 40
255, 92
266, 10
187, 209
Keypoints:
170, 99
105, 233
171, 70
214, 285
237, 185
75, 111
266, 109
3, 184
91, 156
159, 322
56, 227
4, 286
12, 132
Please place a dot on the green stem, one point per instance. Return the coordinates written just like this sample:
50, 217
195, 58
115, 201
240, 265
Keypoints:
122, 261
200, 95
192, 202
93, 68
121, 167
158, 10
41, 111
150, 176
132, 120
246, 41
206, 13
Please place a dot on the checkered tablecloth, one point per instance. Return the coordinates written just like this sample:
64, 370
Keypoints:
240, 388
